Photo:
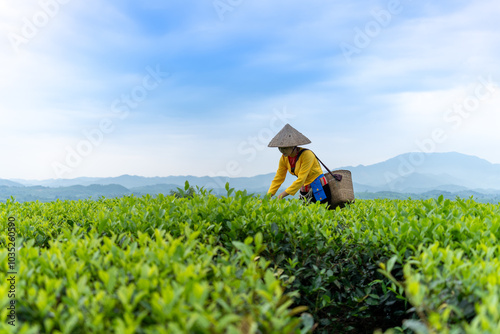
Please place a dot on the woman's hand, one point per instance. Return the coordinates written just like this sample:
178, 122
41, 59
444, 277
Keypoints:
283, 194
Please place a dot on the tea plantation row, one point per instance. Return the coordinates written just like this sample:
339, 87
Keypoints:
245, 264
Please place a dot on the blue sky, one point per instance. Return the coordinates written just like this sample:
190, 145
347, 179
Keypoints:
156, 88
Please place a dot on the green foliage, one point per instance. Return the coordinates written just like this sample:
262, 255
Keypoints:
84, 283
187, 192
240, 263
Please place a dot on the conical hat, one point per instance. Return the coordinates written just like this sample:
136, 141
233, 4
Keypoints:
287, 137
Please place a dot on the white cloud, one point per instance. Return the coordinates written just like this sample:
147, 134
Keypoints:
393, 94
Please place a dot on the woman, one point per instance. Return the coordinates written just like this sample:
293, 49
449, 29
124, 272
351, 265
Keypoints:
299, 162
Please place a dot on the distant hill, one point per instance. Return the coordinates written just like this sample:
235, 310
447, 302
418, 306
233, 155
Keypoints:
421, 172
415, 175
133, 181
9, 183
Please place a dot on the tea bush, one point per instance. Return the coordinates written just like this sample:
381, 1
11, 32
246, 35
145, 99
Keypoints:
249, 264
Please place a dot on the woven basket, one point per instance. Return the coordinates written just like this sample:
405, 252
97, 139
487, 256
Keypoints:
342, 191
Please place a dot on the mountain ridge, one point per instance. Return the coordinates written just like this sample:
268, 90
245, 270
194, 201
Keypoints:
408, 173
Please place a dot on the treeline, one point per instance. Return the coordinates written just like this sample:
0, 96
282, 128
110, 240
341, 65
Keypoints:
95, 191
47, 194
478, 197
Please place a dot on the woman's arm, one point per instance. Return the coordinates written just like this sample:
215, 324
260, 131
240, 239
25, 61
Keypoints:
283, 194
278, 178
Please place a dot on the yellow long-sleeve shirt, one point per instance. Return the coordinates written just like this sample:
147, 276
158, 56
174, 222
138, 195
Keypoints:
307, 169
